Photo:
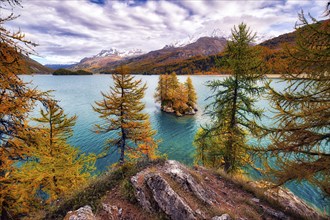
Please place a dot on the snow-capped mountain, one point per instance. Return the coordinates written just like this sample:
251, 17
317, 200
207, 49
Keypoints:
120, 53
215, 33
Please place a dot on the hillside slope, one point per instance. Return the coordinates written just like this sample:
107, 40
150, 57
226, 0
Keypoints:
170, 190
33, 67
180, 59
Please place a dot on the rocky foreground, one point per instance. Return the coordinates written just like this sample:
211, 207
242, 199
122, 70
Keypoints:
170, 190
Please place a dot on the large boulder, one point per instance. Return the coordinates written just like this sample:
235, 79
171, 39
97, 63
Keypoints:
167, 199
292, 202
180, 174
154, 193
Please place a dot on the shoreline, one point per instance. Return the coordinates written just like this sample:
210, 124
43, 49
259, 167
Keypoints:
269, 76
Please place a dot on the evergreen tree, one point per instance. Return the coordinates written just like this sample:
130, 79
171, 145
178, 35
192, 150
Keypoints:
232, 108
53, 166
301, 137
122, 108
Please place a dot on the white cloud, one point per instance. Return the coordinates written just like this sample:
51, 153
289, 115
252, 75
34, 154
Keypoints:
68, 30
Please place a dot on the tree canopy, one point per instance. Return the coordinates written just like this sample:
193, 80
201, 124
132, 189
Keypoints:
232, 107
175, 96
121, 109
301, 137
52, 166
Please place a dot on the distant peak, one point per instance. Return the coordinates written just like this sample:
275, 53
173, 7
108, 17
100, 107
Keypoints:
215, 33
121, 53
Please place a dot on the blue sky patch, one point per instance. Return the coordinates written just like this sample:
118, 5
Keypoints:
99, 2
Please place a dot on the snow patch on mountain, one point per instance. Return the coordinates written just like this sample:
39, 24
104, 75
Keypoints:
216, 33
120, 53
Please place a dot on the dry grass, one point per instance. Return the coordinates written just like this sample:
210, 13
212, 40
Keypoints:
91, 194
249, 185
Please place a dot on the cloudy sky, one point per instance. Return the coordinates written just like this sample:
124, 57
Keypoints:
69, 30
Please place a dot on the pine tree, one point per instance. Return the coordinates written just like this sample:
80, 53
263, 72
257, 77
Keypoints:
52, 167
232, 108
121, 109
301, 137
192, 96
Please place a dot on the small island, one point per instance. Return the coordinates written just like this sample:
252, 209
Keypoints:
69, 72
175, 97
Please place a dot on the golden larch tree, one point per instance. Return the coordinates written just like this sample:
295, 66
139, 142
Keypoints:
122, 111
301, 137
17, 100
52, 166
192, 96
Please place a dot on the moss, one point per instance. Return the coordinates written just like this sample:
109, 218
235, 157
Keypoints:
127, 190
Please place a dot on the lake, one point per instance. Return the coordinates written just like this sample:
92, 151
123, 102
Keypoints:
77, 94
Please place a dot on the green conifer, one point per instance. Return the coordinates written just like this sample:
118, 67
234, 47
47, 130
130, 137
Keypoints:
232, 108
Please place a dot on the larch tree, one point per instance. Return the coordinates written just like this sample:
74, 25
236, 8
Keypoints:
121, 109
180, 99
301, 136
162, 90
172, 85
175, 96
209, 150
53, 166
17, 99
232, 109
192, 96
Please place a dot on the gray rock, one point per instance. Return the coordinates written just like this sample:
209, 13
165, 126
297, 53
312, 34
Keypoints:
255, 200
200, 214
113, 211
275, 214
190, 111
177, 113
83, 213
167, 109
222, 217
181, 175
140, 192
292, 203
168, 200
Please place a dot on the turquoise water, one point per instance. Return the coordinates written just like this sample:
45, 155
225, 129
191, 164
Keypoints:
77, 94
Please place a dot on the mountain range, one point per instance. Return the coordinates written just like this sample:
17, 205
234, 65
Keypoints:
192, 55
155, 62
189, 56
